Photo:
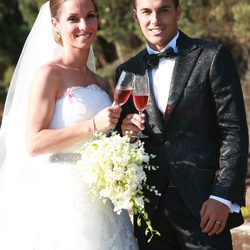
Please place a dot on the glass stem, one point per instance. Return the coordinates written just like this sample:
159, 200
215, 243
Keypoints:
140, 132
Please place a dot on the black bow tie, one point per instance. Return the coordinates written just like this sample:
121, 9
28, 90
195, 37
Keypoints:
153, 59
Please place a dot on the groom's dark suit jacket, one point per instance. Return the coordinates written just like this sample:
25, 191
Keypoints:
201, 142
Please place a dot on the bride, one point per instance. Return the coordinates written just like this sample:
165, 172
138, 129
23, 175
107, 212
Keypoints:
55, 102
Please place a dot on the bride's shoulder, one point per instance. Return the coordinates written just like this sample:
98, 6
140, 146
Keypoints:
47, 76
50, 69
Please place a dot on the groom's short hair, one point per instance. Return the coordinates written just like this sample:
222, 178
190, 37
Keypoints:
176, 3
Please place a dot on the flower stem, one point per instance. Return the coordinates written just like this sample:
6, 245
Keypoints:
149, 230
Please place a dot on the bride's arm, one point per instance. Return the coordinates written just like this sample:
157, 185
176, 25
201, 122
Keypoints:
41, 139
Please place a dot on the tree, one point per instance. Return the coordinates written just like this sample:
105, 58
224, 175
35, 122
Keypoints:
117, 25
13, 31
241, 12
29, 10
16, 19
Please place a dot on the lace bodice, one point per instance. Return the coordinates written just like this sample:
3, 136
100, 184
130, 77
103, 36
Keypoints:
78, 104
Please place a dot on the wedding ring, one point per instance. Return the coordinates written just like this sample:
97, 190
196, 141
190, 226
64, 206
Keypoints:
218, 222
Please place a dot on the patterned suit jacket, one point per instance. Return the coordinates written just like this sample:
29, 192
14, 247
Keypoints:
201, 141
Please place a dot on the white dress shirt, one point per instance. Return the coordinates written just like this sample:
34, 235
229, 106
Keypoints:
161, 77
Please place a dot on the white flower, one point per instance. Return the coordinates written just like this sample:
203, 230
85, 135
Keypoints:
114, 169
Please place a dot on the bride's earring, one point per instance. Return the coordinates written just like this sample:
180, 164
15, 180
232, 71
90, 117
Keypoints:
58, 34
56, 31
59, 37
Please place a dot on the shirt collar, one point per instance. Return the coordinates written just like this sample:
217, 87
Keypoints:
171, 44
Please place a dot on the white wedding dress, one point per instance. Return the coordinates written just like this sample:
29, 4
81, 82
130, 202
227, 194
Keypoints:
50, 207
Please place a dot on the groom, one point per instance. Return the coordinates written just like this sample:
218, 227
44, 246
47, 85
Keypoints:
196, 127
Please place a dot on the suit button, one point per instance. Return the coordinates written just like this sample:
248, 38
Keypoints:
167, 144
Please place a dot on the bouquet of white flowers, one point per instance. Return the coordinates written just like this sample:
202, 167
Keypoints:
114, 169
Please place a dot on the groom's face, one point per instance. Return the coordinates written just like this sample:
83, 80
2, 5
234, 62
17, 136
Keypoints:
158, 21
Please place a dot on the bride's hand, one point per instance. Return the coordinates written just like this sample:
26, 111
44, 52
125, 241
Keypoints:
107, 118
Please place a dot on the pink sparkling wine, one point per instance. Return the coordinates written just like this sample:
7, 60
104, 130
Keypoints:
121, 95
140, 102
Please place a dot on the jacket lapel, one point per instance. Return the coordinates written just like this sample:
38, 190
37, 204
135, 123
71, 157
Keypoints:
186, 58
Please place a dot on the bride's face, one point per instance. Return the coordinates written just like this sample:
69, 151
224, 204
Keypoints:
78, 23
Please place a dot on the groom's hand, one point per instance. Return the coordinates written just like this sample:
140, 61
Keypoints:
214, 216
133, 123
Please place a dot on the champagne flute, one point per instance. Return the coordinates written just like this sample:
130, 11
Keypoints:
123, 88
141, 96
